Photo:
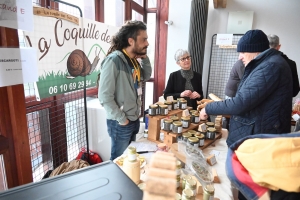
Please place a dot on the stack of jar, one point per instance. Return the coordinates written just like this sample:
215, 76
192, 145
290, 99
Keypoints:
211, 131
189, 187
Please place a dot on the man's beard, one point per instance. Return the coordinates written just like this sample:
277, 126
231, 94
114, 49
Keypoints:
139, 51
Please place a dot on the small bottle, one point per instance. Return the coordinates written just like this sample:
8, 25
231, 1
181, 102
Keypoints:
191, 184
131, 165
184, 179
208, 192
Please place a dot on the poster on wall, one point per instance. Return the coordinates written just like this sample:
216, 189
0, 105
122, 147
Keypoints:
17, 66
67, 53
16, 14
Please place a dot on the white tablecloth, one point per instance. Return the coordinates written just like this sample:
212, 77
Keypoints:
223, 190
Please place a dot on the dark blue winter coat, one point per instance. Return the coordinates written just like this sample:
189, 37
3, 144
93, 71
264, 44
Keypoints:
263, 102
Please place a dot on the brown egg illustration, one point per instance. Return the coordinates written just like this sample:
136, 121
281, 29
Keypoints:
78, 64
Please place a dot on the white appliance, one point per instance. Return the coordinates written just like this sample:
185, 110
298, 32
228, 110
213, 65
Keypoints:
99, 140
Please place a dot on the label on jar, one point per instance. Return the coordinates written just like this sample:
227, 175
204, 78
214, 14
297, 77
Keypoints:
166, 111
183, 106
170, 107
197, 119
185, 124
201, 143
196, 144
163, 126
175, 106
150, 112
157, 111
179, 129
131, 157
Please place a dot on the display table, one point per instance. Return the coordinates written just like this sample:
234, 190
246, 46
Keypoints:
223, 190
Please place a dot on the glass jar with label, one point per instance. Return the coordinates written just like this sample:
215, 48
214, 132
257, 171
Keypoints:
185, 136
169, 104
184, 179
192, 185
187, 194
163, 109
201, 138
177, 127
182, 104
175, 104
195, 117
210, 124
194, 141
192, 132
186, 121
204, 133
167, 125
208, 192
211, 133
153, 109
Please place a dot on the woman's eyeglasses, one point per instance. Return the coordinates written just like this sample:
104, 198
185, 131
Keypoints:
186, 58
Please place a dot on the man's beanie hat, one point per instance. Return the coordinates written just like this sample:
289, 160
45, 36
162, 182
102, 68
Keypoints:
253, 41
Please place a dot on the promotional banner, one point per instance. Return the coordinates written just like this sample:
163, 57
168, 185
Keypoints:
67, 53
16, 14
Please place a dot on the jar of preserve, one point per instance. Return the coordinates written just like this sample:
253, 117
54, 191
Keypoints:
182, 104
186, 121
195, 117
167, 125
208, 192
210, 124
187, 194
194, 141
184, 179
163, 109
204, 133
211, 133
192, 185
177, 127
153, 109
175, 104
192, 132
185, 136
169, 104
201, 138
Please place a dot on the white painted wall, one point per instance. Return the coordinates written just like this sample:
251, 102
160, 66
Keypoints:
280, 17
179, 13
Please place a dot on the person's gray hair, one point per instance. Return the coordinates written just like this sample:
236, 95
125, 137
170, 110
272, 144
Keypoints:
273, 40
179, 53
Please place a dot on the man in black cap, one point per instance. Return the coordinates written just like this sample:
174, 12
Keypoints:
263, 102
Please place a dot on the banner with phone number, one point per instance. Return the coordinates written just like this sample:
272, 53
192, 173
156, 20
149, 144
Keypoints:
67, 53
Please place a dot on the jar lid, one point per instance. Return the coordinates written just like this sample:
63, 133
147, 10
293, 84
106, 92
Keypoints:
168, 102
193, 139
191, 182
192, 132
186, 135
210, 188
153, 106
195, 113
163, 106
183, 101
210, 123
200, 136
211, 129
169, 121
187, 193
131, 150
187, 118
174, 118
177, 123
174, 101
192, 111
